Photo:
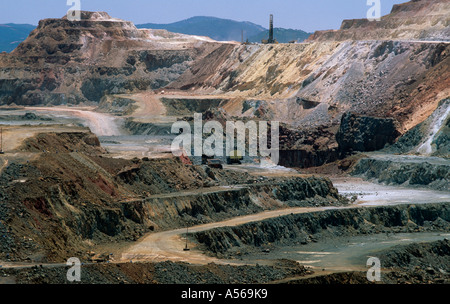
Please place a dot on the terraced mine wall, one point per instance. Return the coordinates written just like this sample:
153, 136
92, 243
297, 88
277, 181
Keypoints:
185, 106
363, 133
306, 227
126, 60
198, 207
63, 202
144, 128
415, 263
430, 137
306, 159
158, 273
418, 173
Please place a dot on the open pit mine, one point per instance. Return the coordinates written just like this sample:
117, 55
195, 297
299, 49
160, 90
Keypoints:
87, 169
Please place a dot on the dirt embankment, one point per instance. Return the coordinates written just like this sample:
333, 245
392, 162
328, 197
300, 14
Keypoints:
207, 205
159, 273
419, 172
311, 227
430, 138
414, 20
98, 56
85, 142
418, 263
147, 128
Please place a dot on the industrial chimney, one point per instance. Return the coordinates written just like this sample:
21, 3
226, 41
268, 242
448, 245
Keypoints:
271, 30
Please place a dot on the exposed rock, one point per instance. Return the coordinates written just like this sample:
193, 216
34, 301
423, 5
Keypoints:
422, 255
63, 143
73, 195
296, 227
409, 171
429, 138
200, 208
142, 128
88, 59
363, 133
116, 105
161, 273
416, 19
417, 263
335, 278
306, 86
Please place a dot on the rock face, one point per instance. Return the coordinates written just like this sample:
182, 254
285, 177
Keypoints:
419, 158
363, 133
63, 143
200, 208
160, 273
304, 228
418, 263
424, 262
73, 62
416, 19
408, 171
430, 138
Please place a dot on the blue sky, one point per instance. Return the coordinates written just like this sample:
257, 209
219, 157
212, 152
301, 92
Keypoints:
308, 15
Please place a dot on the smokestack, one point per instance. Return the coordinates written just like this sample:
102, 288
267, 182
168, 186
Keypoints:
271, 30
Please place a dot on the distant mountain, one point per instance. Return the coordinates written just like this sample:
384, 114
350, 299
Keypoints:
12, 34
225, 30
282, 35
215, 28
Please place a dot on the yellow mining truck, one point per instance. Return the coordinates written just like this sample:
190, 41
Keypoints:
235, 157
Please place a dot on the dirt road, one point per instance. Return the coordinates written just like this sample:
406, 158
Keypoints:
13, 136
168, 245
100, 123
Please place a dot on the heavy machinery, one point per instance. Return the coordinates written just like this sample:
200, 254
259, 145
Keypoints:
235, 157
186, 248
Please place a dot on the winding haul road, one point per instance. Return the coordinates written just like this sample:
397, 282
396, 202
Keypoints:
168, 245
101, 124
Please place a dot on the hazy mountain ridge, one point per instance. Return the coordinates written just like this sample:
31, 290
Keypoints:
226, 30
12, 34
215, 28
